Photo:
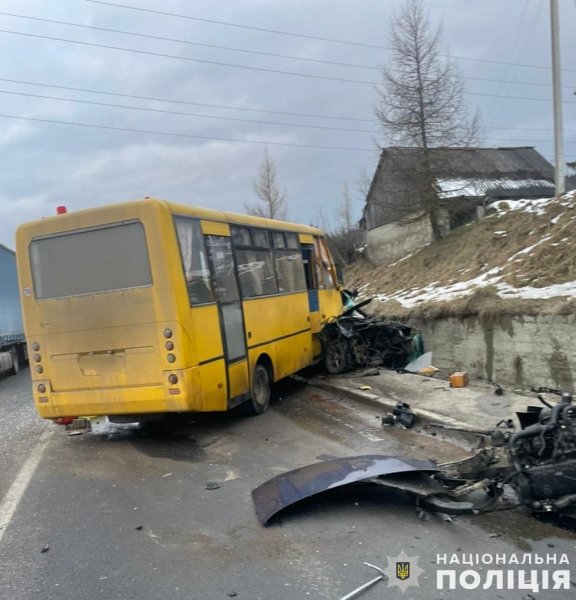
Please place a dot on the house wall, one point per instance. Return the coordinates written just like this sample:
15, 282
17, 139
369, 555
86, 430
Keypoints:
515, 352
388, 243
393, 241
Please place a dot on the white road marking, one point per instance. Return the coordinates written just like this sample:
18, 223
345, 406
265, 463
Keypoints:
11, 500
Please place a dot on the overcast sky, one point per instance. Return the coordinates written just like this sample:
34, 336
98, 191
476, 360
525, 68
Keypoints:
239, 98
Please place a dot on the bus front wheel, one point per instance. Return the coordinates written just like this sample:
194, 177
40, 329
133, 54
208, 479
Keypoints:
260, 399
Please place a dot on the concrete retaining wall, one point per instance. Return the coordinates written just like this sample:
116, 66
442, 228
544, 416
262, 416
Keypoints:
515, 352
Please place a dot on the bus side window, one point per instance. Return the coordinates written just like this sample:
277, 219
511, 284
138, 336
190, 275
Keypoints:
194, 261
324, 272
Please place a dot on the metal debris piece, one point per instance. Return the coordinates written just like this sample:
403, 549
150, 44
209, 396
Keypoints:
369, 584
288, 488
401, 414
422, 362
45, 548
212, 485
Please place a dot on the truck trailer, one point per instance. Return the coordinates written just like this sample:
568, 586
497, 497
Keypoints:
12, 342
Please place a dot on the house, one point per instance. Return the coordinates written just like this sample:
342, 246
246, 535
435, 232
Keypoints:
465, 180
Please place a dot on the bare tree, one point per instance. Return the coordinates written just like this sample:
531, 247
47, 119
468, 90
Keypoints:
347, 237
421, 105
271, 199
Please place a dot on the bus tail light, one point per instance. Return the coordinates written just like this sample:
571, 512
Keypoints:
63, 420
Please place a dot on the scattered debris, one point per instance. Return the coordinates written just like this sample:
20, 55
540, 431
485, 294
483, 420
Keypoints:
78, 426
401, 414
428, 371
422, 362
212, 485
45, 548
365, 387
140, 528
231, 594
459, 379
369, 584
538, 461
495, 535
498, 391
371, 373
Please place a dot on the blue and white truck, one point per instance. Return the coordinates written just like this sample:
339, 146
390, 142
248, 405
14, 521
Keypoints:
12, 343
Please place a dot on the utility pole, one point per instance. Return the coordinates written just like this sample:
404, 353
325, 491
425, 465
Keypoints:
557, 101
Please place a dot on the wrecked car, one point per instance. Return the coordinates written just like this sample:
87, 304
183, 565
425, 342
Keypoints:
356, 339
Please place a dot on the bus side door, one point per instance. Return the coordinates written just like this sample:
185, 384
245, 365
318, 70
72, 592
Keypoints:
227, 292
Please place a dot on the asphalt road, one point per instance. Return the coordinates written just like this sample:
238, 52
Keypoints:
125, 514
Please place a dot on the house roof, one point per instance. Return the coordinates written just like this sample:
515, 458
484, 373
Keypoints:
490, 163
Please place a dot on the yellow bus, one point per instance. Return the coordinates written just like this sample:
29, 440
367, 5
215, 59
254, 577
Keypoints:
148, 307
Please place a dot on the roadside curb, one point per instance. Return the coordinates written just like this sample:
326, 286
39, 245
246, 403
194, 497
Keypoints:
387, 404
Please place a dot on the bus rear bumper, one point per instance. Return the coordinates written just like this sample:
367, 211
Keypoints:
140, 400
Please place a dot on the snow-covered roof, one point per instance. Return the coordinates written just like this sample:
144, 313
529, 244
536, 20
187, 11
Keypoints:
453, 187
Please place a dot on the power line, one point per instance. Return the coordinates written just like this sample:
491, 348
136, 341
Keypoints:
211, 62
184, 135
515, 97
301, 35
185, 102
179, 113
187, 58
525, 140
257, 52
250, 27
479, 12
221, 139
181, 41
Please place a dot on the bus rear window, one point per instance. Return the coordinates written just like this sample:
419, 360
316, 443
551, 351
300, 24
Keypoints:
108, 258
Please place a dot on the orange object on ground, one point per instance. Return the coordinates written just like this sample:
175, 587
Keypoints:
459, 379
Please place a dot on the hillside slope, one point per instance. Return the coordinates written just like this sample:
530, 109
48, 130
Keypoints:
520, 259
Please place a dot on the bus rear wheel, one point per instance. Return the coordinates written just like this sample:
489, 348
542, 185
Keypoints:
260, 393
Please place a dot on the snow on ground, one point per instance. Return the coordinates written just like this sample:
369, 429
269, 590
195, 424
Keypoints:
442, 293
413, 297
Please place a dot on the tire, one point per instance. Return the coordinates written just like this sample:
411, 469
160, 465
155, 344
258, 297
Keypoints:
260, 392
335, 357
15, 362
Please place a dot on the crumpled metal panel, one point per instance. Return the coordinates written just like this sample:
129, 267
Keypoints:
288, 488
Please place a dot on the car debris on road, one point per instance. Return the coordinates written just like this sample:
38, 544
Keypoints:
538, 461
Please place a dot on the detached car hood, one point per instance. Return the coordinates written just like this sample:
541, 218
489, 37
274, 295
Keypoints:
288, 488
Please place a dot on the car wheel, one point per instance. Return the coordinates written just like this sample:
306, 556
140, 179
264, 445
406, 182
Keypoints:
335, 358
